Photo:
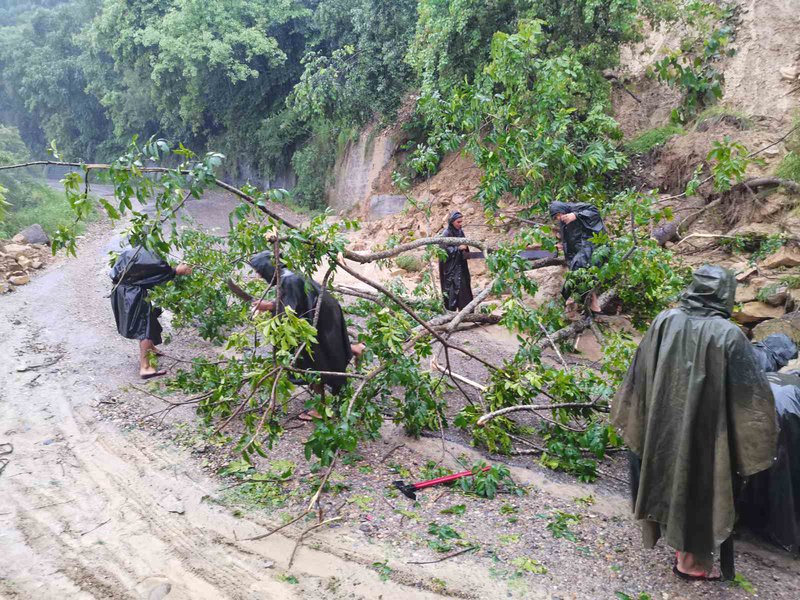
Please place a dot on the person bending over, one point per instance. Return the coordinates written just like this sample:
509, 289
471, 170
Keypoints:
332, 351
135, 272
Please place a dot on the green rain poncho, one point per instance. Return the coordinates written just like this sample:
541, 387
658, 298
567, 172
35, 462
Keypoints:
698, 411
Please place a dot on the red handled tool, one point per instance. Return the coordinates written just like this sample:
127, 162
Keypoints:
410, 489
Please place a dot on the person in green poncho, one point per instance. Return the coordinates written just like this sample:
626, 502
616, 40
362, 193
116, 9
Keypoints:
698, 415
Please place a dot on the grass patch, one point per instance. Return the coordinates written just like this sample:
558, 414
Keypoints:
721, 114
43, 205
653, 138
789, 167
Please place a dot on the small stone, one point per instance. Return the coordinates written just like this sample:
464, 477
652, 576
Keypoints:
744, 275
755, 312
172, 504
18, 239
36, 264
19, 279
160, 592
790, 73
788, 256
24, 262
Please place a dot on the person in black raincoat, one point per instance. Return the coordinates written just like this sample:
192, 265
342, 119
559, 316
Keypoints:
333, 350
770, 501
454, 272
135, 272
698, 415
578, 223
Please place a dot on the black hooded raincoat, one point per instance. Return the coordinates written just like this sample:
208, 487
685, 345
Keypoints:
137, 271
697, 410
576, 236
332, 351
454, 272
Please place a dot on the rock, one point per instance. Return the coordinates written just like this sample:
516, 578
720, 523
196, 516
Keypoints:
24, 262
745, 293
788, 324
18, 239
793, 300
788, 256
172, 504
753, 230
19, 279
755, 312
160, 592
744, 275
36, 264
790, 73
17, 250
550, 280
775, 295
34, 235
4, 288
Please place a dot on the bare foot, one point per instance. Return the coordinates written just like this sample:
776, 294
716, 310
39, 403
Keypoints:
309, 415
150, 372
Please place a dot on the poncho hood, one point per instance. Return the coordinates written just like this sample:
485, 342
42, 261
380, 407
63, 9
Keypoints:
711, 293
775, 351
264, 264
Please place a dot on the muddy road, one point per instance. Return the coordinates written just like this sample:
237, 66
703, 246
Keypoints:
93, 506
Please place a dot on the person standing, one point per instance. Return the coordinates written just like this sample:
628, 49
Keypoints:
454, 271
578, 223
135, 272
698, 415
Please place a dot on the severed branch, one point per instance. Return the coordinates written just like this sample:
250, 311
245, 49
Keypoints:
530, 408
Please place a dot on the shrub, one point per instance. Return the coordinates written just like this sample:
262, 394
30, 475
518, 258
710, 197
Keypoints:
653, 138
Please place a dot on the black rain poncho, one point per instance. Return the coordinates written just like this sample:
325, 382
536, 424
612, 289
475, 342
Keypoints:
576, 236
774, 352
698, 412
770, 501
454, 272
332, 351
140, 271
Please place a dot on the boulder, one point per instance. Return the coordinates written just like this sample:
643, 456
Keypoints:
788, 324
19, 279
788, 256
755, 312
34, 235
550, 281
17, 250
24, 262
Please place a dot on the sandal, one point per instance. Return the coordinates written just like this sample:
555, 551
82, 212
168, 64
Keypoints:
690, 577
